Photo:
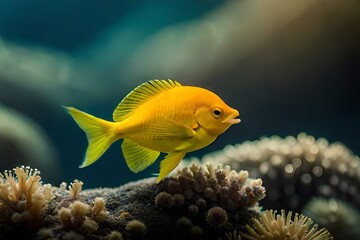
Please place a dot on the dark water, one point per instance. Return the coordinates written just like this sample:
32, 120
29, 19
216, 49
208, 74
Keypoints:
298, 74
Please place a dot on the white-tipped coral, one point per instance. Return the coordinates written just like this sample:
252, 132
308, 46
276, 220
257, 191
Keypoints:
75, 187
273, 226
83, 218
99, 211
22, 196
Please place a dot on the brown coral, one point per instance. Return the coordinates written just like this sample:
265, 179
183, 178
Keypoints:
213, 197
83, 218
75, 187
216, 217
229, 189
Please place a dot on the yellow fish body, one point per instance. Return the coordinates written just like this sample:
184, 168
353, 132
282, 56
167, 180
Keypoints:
157, 116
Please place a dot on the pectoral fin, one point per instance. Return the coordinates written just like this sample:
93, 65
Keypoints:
138, 157
167, 128
169, 163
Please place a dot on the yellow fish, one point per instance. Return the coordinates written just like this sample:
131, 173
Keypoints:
157, 116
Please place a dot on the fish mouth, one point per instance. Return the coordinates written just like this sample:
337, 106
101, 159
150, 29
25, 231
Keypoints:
232, 119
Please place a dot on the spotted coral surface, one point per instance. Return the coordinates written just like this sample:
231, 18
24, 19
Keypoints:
213, 197
296, 169
209, 185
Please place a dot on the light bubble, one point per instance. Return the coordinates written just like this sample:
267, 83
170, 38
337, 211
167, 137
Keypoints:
333, 205
326, 163
285, 149
314, 149
289, 168
352, 190
343, 186
325, 190
264, 168
317, 171
255, 156
310, 157
342, 167
310, 140
322, 142
272, 174
230, 151
296, 162
305, 178
334, 180
276, 160
297, 150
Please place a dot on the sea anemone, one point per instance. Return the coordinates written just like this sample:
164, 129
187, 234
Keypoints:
164, 200
216, 217
115, 235
184, 223
136, 228
196, 232
234, 235
339, 218
273, 226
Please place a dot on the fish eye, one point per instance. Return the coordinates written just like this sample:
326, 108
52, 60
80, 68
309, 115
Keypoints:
216, 112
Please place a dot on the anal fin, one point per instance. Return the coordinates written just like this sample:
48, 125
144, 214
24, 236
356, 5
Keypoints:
138, 157
169, 163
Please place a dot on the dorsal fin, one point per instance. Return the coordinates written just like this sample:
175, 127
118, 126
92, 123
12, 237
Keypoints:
140, 95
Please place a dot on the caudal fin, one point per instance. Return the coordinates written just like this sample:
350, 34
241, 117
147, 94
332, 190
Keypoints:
99, 134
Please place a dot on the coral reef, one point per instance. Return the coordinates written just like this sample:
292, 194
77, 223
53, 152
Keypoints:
81, 217
198, 202
296, 169
213, 197
275, 226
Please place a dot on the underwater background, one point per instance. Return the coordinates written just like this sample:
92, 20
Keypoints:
287, 66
